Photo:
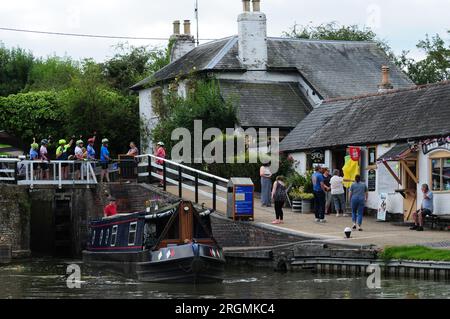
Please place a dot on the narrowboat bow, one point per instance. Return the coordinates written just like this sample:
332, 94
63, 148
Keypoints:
173, 244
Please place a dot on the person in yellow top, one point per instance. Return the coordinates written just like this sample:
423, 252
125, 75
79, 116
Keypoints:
62, 154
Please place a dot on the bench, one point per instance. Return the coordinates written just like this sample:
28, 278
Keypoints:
438, 221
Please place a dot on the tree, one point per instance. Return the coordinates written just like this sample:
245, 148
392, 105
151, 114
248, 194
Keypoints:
92, 106
335, 31
435, 67
132, 64
15, 66
203, 102
53, 73
34, 114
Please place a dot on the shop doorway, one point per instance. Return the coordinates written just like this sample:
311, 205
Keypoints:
338, 159
410, 181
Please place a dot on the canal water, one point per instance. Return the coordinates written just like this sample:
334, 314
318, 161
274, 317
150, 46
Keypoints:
46, 278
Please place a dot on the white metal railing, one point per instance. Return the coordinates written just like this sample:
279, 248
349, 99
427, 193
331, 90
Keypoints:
8, 169
30, 173
181, 173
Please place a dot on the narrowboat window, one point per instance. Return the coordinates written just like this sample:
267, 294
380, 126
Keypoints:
107, 237
93, 237
132, 234
114, 236
101, 238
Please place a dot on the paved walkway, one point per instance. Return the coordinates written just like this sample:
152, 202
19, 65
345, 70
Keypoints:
376, 233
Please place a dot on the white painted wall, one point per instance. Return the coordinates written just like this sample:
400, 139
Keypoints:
441, 199
148, 117
299, 162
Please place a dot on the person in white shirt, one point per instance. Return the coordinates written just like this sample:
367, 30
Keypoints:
79, 156
338, 193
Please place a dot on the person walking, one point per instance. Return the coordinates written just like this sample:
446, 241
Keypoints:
161, 154
266, 185
279, 198
43, 155
338, 193
358, 198
319, 195
327, 190
104, 160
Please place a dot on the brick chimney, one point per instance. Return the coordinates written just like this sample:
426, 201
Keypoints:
385, 85
253, 37
183, 43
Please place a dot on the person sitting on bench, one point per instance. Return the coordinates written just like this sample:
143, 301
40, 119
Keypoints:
425, 210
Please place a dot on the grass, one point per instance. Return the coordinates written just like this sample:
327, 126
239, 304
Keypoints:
5, 146
415, 253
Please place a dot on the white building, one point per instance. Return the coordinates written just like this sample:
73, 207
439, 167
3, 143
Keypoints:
277, 81
405, 140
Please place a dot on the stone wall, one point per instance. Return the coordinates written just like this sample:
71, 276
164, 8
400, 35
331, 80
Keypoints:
15, 219
229, 233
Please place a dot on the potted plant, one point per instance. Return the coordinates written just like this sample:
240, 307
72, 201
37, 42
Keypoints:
301, 201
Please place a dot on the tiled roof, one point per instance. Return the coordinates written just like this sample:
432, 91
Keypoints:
279, 105
391, 117
333, 68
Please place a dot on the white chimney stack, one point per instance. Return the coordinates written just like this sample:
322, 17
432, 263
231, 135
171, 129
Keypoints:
253, 37
183, 43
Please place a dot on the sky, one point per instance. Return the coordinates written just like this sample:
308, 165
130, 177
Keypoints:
401, 22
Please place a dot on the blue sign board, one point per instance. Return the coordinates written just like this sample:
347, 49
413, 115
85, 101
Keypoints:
243, 201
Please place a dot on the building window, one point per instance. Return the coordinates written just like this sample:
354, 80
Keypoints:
371, 156
132, 234
114, 236
440, 172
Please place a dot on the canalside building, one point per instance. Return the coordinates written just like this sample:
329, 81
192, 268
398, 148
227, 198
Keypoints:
276, 82
404, 138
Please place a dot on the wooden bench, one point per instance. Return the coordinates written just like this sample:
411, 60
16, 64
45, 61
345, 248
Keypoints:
438, 221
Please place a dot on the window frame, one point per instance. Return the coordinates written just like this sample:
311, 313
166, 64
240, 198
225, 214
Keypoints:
441, 156
114, 235
132, 232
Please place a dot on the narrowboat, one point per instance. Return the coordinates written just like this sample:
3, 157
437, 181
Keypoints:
172, 244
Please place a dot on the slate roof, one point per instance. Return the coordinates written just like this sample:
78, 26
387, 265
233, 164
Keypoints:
396, 153
279, 105
333, 68
396, 116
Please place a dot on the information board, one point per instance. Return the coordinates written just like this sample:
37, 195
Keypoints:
243, 201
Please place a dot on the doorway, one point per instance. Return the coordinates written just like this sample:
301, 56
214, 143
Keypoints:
410, 181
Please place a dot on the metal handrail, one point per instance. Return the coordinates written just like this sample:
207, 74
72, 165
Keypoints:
224, 180
192, 174
87, 173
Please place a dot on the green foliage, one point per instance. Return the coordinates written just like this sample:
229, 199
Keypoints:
15, 66
335, 31
132, 64
296, 180
93, 107
54, 73
435, 67
299, 193
204, 102
419, 253
28, 115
